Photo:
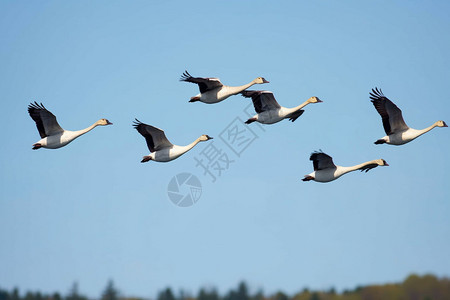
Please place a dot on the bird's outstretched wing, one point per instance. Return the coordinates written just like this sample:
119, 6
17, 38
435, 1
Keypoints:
389, 112
262, 100
155, 137
321, 161
45, 121
204, 84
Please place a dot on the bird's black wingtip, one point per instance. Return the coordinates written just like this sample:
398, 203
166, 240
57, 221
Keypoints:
136, 123
315, 153
35, 105
185, 76
376, 94
250, 93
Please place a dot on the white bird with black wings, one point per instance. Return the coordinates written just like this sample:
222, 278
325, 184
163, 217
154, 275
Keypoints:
269, 111
53, 136
325, 170
398, 133
213, 91
161, 149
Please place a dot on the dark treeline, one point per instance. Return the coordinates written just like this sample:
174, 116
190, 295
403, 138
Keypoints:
427, 287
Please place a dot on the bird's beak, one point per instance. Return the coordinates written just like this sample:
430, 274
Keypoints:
386, 164
209, 138
265, 81
445, 124
318, 101
108, 122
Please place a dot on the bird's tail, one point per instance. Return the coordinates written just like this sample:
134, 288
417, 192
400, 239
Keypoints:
146, 159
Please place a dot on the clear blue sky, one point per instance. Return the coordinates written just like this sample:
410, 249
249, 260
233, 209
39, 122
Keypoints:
91, 211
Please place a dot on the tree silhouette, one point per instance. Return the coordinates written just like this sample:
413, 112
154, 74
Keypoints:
280, 296
242, 291
315, 296
240, 294
74, 294
166, 294
208, 294
4, 295
110, 292
183, 295
258, 296
15, 294
414, 287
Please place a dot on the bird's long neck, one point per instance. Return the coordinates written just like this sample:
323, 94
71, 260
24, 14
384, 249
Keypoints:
358, 167
237, 89
344, 170
191, 145
83, 131
294, 109
300, 106
425, 130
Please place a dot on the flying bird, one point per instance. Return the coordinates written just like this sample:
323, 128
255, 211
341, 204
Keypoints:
269, 111
325, 170
53, 136
213, 91
398, 133
160, 148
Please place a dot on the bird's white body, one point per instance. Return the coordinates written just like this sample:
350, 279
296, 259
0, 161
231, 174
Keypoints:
269, 111
276, 115
325, 170
222, 93
406, 136
161, 149
171, 153
59, 140
62, 139
214, 91
331, 174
